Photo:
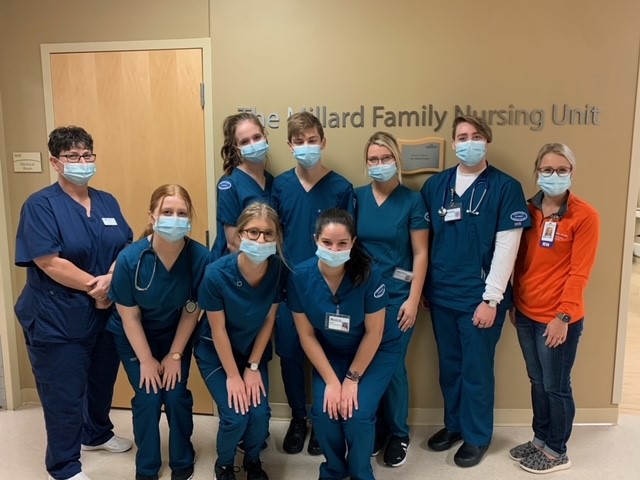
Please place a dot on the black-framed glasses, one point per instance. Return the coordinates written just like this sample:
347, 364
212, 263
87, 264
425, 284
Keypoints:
385, 160
75, 157
254, 234
561, 171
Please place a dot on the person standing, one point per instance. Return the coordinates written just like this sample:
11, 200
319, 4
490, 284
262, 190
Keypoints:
241, 293
155, 288
551, 273
300, 195
68, 238
392, 227
477, 214
245, 178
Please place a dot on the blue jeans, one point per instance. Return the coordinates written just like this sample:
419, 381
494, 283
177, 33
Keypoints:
549, 371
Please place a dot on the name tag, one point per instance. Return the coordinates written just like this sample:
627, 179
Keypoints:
548, 234
454, 212
337, 322
404, 275
110, 222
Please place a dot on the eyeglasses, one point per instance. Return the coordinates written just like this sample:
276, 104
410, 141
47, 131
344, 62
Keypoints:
561, 171
254, 234
75, 158
378, 160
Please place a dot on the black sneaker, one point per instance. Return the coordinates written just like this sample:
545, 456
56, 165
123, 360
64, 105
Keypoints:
224, 472
146, 477
314, 447
378, 445
184, 474
296, 434
254, 470
396, 452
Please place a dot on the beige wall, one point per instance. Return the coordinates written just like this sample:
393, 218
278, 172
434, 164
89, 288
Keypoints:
287, 53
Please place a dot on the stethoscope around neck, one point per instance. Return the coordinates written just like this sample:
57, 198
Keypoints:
472, 210
190, 306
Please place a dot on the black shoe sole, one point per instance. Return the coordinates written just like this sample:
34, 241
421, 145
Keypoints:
441, 447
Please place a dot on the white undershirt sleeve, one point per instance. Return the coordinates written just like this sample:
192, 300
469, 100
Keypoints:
504, 257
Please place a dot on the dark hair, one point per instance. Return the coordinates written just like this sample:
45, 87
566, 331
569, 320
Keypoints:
157, 199
358, 267
230, 154
66, 138
483, 127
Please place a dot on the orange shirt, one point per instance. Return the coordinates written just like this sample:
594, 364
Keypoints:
552, 280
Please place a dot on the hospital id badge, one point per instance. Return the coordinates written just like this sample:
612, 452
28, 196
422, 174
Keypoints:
109, 221
548, 234
454, 212
337, 322
403, 275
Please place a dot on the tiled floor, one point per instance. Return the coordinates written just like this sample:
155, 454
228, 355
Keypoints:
596, 452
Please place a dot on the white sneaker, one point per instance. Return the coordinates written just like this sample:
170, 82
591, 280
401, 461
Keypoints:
77, 476
114, 445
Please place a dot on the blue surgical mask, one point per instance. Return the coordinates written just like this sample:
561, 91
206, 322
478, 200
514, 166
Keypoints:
257, 252
471, 152
255, 152
554, 185
79, 173
331, 258
383, 173
172, 228
307, 156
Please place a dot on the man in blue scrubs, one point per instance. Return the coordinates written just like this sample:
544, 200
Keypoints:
300, 195
68, 238
477, 214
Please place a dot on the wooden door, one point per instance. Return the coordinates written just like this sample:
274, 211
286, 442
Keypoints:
144, 112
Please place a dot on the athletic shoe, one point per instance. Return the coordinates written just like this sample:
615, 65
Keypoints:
314, 447
396, 452
522, 451
226, 472
114, 445
540, 463
77, 476
254, 470
184, 474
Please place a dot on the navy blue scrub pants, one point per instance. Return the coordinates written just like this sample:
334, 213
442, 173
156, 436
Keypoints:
466, 356
75, 384
347, 444
292, 358
394, 407
147, 408
252, 427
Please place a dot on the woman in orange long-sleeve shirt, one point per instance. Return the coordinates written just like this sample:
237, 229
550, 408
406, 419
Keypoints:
551, 273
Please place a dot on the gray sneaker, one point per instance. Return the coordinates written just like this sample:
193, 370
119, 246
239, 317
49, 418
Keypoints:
540, 463
523, 451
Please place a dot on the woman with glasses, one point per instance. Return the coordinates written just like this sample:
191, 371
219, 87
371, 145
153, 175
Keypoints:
155, 289
393, 227
245, 179
68, 238
338, 301
552, 269
240, 293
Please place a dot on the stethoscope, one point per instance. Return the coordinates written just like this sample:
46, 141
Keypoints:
190, 306
482, 180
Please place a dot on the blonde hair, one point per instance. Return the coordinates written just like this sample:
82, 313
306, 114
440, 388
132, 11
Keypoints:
262, 210
558, 149
384, 139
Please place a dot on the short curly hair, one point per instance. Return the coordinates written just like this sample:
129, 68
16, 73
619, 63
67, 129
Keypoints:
66, 138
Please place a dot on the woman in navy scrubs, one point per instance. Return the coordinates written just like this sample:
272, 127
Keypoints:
393, 229
155, 286
68, 238
245, 179
338, 303
240, 293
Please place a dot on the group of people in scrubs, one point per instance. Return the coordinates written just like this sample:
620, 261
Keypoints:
336, 275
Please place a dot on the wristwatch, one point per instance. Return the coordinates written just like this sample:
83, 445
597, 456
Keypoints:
176, 356
491, 303
353, 376
564, 317
252, 366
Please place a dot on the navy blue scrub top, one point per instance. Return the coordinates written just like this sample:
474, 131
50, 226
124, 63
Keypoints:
51, 222
385, 232
461, 251
162, 303
309, 293
298, 209
235, 193
245, 307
